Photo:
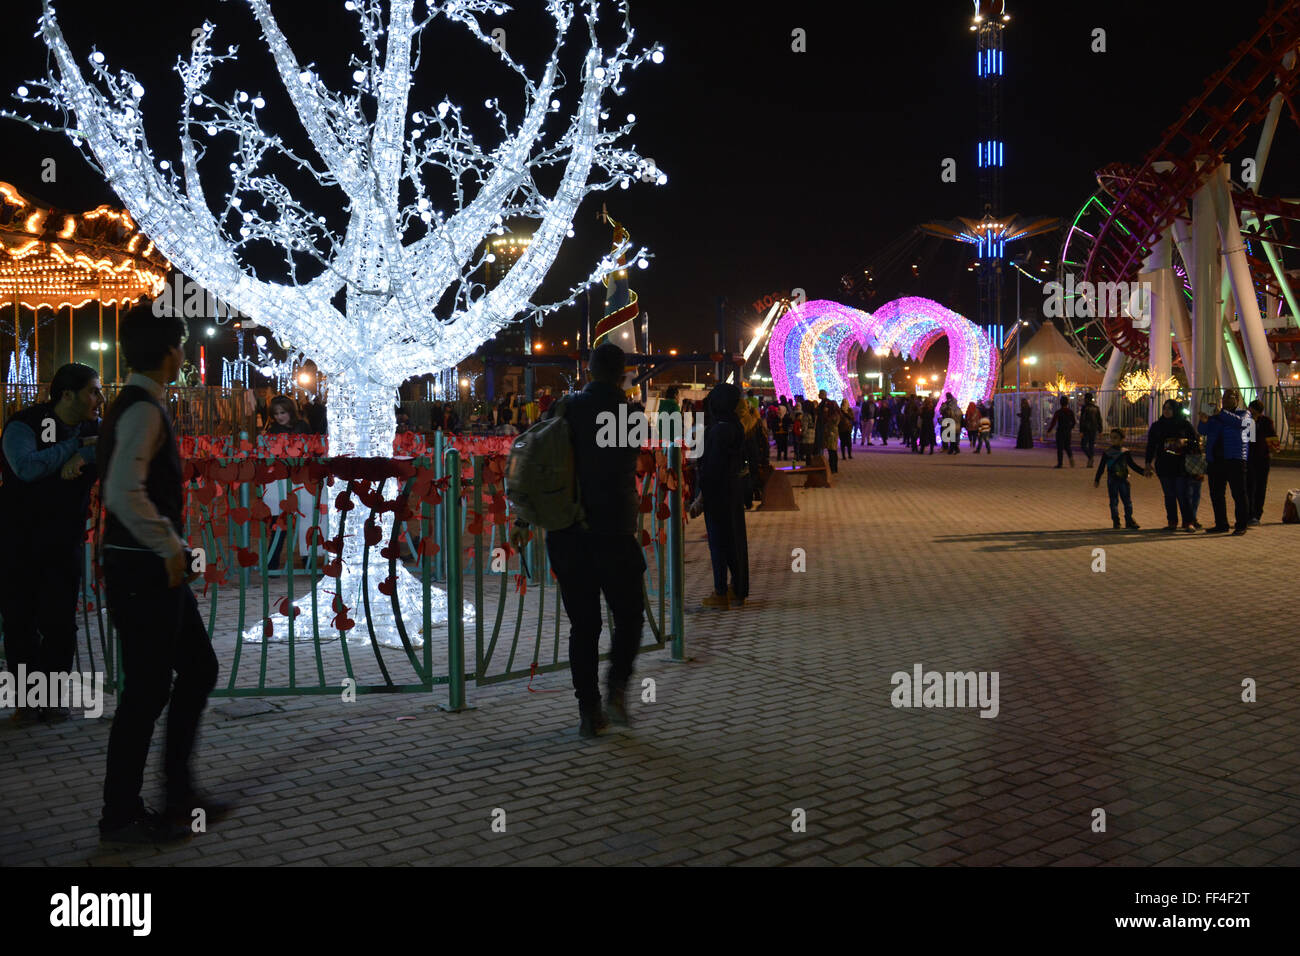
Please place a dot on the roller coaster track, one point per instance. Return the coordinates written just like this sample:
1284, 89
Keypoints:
1148, 200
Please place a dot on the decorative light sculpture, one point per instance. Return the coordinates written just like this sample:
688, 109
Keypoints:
816, 345
393, 296
1062, 386
23, 370
1142, 383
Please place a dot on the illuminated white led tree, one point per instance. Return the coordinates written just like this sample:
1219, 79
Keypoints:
393, 295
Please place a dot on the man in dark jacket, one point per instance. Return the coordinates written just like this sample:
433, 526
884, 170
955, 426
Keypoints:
602, 553
1090, 428
1259, 459
1227, 442
47, 459
146, 574
721, 499
1063, 423
1167, 442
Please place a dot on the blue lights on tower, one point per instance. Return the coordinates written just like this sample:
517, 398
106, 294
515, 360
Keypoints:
990, 153
988, 63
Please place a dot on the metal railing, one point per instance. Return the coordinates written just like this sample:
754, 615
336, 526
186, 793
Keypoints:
438, 503
1134, 413
196, 410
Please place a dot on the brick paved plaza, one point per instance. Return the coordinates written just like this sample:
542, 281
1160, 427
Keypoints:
1118, 690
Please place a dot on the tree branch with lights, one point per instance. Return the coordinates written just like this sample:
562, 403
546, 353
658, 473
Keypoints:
393, 294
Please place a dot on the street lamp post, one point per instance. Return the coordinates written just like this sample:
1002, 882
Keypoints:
1019, 326
1020, 322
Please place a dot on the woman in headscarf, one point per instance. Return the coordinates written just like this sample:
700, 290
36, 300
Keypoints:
1025, 436
925, 425
721, 497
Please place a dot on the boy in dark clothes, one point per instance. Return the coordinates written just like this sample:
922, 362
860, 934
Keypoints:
1117, 461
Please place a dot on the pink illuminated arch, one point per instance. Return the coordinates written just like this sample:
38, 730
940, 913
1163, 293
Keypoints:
815, 346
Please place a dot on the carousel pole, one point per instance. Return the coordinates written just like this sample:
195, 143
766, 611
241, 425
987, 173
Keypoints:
100, 349
71, 357
117, 344
17, 337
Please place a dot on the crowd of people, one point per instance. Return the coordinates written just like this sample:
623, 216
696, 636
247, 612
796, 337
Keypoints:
1229, 449
826, 430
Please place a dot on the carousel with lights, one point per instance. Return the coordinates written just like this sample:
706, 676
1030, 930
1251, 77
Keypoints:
53, 260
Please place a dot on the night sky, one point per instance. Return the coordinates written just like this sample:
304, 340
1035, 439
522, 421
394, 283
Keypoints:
785, 169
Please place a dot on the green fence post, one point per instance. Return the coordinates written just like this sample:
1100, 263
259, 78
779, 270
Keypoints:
439, 510
455, 584
677, 556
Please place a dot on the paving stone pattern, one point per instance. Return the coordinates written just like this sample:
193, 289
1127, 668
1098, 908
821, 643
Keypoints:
1118, 690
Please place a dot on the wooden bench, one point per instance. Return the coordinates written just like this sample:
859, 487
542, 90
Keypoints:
818, 476
777, 492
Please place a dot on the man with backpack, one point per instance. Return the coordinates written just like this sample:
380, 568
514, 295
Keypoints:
591, 527
1063, 422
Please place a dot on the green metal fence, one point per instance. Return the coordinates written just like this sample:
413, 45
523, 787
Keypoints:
517, 620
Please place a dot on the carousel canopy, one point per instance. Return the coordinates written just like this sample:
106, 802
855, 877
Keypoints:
53, 258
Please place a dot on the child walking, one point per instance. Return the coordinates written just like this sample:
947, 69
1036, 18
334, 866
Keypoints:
1117, 461
984, 431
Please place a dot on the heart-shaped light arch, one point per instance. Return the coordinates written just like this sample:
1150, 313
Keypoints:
816, 344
